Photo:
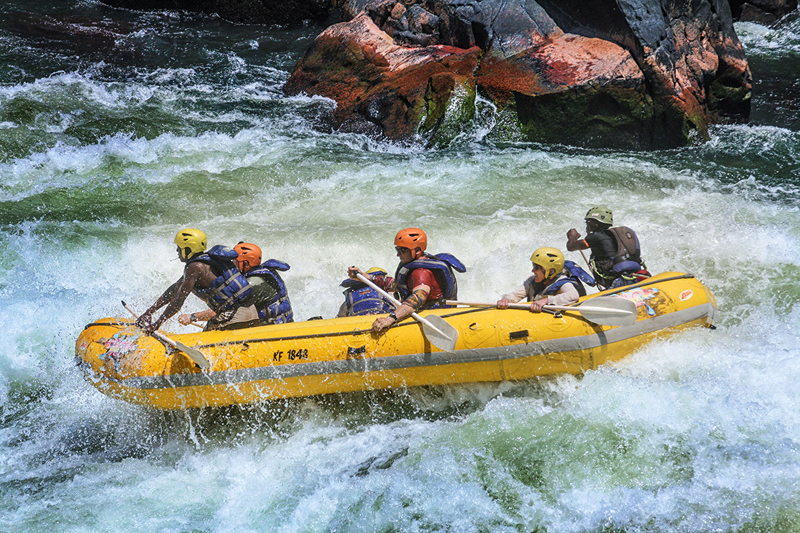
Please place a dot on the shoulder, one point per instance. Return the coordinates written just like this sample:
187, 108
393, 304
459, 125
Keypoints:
196, 267
598, 236
420, 275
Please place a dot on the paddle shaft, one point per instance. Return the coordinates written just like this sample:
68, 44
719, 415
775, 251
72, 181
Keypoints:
397, 304
547, 307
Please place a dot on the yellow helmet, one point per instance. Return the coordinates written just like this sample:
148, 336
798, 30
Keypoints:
378, 270
549, 258
191, 241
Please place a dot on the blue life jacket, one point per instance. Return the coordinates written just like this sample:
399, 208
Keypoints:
361, 299
276, 310
575, 276
579, 273
627, 266
230, 290
442, 263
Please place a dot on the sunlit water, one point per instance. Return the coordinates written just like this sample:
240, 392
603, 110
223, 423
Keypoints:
118, 128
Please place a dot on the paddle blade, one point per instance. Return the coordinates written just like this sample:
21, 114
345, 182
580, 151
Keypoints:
609, 311
194, 354
440, 333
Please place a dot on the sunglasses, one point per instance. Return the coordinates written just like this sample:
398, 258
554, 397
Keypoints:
401, 250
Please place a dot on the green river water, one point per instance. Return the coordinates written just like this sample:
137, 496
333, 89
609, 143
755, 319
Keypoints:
118, 128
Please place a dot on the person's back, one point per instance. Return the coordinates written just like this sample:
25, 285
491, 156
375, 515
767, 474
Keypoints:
229, 295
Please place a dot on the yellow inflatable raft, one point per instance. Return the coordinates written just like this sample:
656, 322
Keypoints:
343, 355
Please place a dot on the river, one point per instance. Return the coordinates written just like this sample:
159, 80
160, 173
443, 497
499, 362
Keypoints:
117, 128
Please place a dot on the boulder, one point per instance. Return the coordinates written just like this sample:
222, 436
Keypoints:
384, 88
609, 73
572, 90
762, 11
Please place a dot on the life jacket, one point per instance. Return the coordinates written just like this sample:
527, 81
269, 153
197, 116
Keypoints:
278, 309
441, 263
580, 274
625, 261
628, 248
230, 289
361, 299
572, 274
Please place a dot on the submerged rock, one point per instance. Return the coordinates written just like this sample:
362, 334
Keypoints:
608, 73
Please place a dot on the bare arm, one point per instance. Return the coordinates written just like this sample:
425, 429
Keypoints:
145, 318
173, 297
574, 241
410, 305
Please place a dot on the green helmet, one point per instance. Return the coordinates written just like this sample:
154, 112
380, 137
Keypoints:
191, 241
549, 258
601, 214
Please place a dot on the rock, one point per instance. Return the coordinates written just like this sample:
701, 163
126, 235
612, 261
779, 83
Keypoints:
422, 21
384, 88
573, 90
625, 74
762, 11
398, 11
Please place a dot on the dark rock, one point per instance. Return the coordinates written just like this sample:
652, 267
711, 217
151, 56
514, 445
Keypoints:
762, 11
422, 21
573, 90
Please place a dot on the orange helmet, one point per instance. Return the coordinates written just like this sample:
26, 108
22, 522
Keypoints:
411, 238
249, 255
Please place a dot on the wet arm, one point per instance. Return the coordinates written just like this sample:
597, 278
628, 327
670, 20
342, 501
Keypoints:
179, 295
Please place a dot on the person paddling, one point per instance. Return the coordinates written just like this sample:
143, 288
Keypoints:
270, 295
555, 281
212, 276
616, 255
424, 281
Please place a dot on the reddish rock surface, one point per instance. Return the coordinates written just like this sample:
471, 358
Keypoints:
634, 74
379, 86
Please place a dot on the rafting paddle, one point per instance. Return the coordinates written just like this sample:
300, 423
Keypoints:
193, 353
604, 310
436, 329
